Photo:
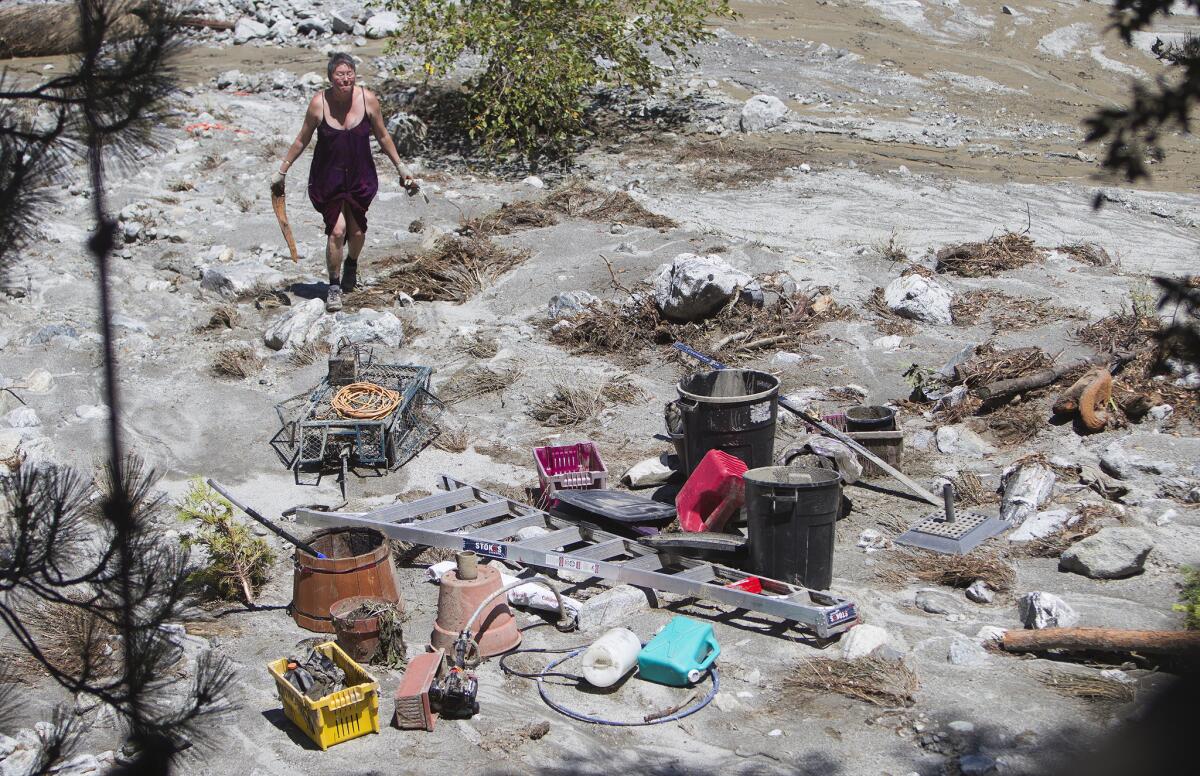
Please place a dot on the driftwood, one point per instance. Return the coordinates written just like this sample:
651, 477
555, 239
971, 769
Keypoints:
1103, 640
1044, 377
53, 28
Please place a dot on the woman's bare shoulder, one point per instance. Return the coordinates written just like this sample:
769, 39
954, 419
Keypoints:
315, 103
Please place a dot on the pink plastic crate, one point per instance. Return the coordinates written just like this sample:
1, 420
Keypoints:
713, 494
835, 419
570, 467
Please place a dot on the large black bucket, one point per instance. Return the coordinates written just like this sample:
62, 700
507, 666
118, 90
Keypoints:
791, 514
732, 410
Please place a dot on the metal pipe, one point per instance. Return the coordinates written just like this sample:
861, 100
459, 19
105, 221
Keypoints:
948, 501
287, 537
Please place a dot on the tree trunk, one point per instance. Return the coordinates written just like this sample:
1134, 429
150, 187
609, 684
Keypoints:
1103, 640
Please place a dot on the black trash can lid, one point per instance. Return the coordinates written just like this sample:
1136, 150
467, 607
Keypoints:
792, 477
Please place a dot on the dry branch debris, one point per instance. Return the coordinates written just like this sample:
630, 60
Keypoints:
579, 200
567, 405
951, 570
875, 680
454, 270
477, 381
1092, 688
240, 362
1003, 252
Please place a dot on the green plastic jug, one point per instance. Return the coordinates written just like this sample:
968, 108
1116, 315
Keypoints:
680, 654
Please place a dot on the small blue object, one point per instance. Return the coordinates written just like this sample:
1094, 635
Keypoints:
680, 654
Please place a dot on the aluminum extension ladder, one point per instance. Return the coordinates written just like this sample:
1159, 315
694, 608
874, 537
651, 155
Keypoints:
465, 517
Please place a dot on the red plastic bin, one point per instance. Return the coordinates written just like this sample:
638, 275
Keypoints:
570, 467
713, 494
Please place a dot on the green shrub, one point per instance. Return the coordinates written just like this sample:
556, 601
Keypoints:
238, 562
539, 56
1189, 599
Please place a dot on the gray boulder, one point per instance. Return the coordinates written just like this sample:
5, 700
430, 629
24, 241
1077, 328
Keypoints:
343, 19
314, 25
242, 277
980, 592
50, 331
568, 304
248, 29
1045, 610
295, 326
693, 287
364, 326
862, 640
960, 440
762, 111
936, 602
920, 298
612, 607
381, 25
965, 652
1111, 553
1026, 488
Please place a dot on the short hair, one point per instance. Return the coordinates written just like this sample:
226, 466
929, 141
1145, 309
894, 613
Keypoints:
340, 58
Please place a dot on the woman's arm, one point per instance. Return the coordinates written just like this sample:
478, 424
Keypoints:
312, 117
375, 114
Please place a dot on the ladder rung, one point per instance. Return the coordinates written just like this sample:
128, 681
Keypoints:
451, 498
507, 528
698, 574
553, 540
464, 517
602, 551
649, 562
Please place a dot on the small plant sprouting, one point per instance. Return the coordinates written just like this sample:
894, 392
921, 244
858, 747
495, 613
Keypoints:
239, 563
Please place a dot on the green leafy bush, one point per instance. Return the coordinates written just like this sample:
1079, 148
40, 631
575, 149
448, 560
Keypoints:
539, 56
238, 562
1189, 599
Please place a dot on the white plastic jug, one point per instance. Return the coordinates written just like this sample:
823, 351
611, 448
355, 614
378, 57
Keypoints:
611, 657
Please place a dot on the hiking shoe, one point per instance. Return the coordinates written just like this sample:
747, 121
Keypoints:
349, 275
333, 299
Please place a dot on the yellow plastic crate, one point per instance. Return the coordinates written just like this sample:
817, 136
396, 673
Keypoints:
339, 716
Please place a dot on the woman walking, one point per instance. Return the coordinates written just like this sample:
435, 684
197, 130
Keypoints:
342, 180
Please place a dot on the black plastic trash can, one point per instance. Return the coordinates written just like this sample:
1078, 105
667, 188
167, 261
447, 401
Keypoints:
791, 512
733, 410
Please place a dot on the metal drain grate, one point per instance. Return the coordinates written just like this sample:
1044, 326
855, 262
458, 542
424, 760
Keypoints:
964, 523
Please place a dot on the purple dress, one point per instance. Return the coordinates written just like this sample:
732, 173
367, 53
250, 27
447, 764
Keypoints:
343, 171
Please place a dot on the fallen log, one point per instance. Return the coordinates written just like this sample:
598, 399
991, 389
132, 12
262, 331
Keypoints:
1044, 377
1103, 640
51, 29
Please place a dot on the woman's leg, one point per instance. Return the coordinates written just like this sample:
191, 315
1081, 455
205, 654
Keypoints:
333, 249
355, 237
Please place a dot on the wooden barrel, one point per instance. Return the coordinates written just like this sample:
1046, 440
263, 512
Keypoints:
358, 562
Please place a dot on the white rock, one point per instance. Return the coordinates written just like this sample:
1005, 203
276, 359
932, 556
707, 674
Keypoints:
92, 412
296, 326
805, 167
862, 640
242, 277
962, 441
364, 326
1045, 610
534, 181
935, 602
80, 765
1026, 488
1040, 525
980, 592
871, 540
381, 25
23, 417
990, 633
890, 342
568, 304
965, 652
647, 473
10, 442
8, 745
612, 607
248, 29
920, 298
692, 287
1161, 411
1166, 518
1110, 553
762, 111
38, 381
